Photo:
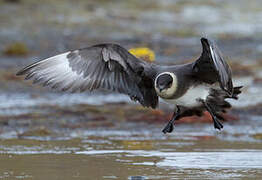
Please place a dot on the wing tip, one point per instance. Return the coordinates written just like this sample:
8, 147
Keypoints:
22, 71
25, 70
203, 39
206, 43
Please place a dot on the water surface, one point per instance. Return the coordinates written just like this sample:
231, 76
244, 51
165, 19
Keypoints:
191, 152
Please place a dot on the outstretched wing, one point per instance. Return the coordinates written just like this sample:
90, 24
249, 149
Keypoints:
103, 66
211, 67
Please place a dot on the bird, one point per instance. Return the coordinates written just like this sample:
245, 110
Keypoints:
192, 88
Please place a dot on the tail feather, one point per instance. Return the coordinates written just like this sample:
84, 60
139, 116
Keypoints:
217, 99
236, 92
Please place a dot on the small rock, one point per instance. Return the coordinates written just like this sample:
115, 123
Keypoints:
257, 136
40, 131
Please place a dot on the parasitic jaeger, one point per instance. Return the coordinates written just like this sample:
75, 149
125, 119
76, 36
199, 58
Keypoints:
204, 84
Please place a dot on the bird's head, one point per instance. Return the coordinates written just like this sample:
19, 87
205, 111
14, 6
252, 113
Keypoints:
166, 84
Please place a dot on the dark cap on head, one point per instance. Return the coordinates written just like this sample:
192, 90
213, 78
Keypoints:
164, 81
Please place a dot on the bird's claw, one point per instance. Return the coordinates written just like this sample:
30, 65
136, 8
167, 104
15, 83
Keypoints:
169, 128
217, 124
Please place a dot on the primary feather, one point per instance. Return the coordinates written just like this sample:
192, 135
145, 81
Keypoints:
104, 66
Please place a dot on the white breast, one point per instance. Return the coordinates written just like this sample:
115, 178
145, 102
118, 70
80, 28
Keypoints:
189, 99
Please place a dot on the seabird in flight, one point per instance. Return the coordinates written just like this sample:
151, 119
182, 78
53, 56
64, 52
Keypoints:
193, 87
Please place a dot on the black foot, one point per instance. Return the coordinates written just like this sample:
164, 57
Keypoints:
170, 125
169, 128
218, 125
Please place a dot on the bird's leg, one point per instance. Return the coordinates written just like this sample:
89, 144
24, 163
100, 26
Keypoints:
170, 125
217, 123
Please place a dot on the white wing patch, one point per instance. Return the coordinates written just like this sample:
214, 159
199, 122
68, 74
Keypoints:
102, 66
56, 73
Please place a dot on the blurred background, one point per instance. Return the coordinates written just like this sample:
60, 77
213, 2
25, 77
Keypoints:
49, 134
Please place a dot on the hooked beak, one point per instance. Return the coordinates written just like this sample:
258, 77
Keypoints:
161, 88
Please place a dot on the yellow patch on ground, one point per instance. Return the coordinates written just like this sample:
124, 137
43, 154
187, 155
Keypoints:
16, 49
143, 53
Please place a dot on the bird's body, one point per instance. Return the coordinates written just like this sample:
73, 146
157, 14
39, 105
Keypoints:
191, 96
192, 88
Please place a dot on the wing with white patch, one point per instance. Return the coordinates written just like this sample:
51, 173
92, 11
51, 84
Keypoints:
211, 67
103, 66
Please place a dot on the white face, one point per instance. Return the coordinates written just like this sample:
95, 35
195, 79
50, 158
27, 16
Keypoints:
170, 90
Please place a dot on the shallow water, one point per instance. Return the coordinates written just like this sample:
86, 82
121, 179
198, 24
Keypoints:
121, 150
192, 152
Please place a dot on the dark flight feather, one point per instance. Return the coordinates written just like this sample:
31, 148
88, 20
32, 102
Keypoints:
211, 67
103, 66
